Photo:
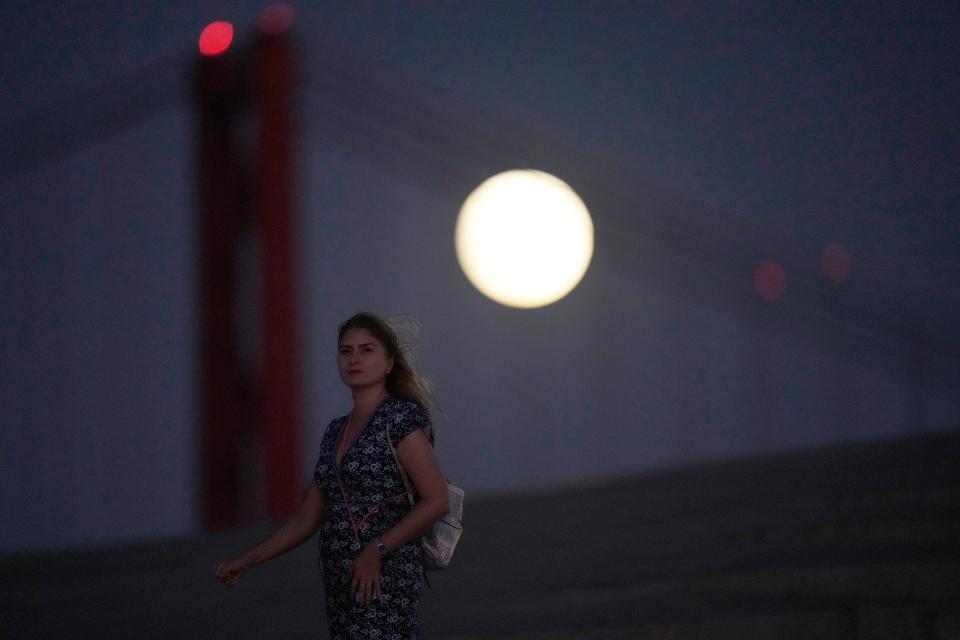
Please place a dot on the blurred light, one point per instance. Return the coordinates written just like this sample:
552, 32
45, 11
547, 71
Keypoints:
836, 262
770, 281
524, 238
216, 38
276, 18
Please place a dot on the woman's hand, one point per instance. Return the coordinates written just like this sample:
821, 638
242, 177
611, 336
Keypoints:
366, 575
230, 571
298, 528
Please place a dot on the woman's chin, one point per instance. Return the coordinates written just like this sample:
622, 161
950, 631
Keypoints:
358, 385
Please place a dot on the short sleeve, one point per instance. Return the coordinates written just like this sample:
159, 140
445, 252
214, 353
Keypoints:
324, 466
408, 416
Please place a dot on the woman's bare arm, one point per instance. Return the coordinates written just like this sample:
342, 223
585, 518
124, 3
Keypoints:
416, 456
294, 532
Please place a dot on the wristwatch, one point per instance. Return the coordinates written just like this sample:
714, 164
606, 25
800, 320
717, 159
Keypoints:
382, 550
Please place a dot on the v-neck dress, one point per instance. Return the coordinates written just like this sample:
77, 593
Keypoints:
375, 501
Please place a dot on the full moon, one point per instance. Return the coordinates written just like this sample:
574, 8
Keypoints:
524, 238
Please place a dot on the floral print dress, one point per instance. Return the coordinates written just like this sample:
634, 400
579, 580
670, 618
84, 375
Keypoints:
375, 501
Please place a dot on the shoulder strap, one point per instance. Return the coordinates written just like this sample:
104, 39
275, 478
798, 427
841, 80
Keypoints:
403, 473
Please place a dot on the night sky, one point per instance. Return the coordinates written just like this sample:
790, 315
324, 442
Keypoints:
821, 123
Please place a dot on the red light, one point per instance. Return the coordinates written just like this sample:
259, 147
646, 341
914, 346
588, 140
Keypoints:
216, 38
836, 262
276, 18
770, 281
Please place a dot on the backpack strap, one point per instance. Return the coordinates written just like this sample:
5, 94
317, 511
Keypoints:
403, 473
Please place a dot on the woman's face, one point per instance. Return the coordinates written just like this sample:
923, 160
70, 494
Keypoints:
362, 359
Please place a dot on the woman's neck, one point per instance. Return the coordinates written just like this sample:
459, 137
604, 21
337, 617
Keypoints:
365, 401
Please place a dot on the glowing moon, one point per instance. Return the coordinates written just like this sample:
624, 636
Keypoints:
524, 238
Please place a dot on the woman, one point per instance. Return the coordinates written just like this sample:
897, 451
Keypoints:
370, 558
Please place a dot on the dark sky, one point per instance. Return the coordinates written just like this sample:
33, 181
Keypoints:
833, 122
